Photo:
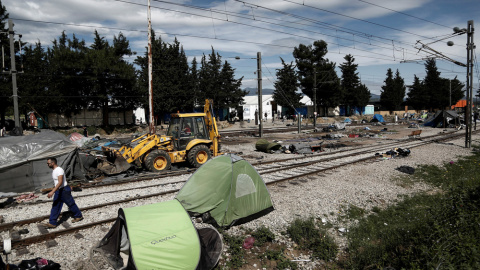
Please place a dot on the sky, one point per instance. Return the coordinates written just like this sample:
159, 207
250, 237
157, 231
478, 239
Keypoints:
380, 34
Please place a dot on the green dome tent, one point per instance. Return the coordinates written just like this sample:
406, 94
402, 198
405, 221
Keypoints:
160, 236
229, 189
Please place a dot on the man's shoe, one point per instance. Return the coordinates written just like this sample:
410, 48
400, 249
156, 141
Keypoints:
49, 226
77, 219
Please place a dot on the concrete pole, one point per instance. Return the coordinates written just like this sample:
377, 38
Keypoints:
13, 71
468, 111
314, 98
260, 99
150, 73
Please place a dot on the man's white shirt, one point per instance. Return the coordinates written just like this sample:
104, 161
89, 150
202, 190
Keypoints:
56, 173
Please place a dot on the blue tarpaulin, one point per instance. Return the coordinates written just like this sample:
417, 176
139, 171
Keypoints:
378, 117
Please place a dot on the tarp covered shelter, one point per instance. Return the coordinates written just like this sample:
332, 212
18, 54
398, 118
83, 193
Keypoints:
229, 189
378, 118
443, 119
160, 236
23, 165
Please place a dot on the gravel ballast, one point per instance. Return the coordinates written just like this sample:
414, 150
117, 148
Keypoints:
366, 185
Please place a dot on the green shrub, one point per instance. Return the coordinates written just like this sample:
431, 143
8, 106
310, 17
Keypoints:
237, 253
92, 130
425, 231
263, 235
352, 212
308, 236
279, 258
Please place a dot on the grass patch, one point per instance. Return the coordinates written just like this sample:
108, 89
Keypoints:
404, 181
309, 236
237, 253
263, 235
279, 259
438, 231
351, 212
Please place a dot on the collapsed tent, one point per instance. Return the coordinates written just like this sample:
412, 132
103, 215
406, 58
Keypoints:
443, 119
378, 118
23, 165
227, 188
266, 146
159, 236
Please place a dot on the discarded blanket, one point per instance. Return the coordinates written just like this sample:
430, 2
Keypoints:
406, 169
266, 146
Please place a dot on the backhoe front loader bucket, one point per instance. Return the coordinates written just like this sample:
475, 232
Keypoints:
115, 162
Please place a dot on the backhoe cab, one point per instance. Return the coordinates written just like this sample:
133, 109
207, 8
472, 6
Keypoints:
191, 137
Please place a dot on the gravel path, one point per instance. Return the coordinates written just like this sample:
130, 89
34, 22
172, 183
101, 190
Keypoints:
365, 185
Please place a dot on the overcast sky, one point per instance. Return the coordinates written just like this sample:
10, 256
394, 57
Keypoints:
380, 34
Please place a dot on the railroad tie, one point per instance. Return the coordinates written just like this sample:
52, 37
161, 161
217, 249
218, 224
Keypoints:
42, 229
21, 251
51, 243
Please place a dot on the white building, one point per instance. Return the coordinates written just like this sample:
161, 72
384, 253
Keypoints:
269, 106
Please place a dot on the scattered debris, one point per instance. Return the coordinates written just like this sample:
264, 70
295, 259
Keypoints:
248, 243
9, 202
406, 169
266, 146
26, 197
396, 152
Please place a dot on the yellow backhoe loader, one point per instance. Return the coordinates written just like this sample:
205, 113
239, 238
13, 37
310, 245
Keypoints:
191, 137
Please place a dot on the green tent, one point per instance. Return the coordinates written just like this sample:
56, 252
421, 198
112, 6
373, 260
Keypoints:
160, 236
227, 188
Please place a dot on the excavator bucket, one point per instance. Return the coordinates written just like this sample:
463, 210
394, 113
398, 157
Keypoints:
115, 162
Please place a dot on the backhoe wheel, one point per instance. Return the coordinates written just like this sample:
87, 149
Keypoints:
157, 161
198, 155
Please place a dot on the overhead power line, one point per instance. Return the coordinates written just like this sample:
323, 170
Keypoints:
351, 17
403, 13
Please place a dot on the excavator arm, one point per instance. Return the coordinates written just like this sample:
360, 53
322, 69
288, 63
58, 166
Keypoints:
212, 126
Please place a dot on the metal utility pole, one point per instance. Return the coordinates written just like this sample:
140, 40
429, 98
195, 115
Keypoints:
314, 98
260, 99
468, 112
450, 107
13, 71
150, 73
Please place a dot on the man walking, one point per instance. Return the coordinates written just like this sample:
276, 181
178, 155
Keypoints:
61, 193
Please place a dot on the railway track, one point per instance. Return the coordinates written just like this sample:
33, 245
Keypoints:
283, 170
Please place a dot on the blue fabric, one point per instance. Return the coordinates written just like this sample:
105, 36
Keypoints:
63, 195
379, 118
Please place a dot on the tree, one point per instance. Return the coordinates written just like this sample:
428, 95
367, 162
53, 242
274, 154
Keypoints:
67, 84
455, 91
230, 87
310, 59
434, 86
286, 87
434, 92
33, 83
354, 93
363, 95
393, 91
417, 96
217, 82
171, 77
110, 78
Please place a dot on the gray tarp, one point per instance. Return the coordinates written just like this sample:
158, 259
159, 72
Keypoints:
23, 165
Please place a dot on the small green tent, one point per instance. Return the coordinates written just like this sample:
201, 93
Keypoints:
229, 189
160, 236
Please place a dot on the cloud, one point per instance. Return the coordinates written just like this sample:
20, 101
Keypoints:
272, 27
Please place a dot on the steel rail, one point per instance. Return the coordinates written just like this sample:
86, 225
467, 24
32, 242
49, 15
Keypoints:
39, 238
